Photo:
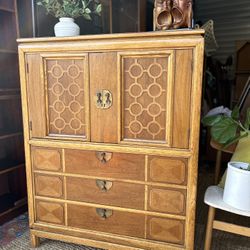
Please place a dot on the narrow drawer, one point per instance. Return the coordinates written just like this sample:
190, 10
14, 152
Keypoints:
167, 170
167, 230
111, 221
106, 192
50, 186
50, 212
46, 159
167, 200
105, 164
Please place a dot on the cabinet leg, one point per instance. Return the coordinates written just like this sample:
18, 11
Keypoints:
35, 241
209, 230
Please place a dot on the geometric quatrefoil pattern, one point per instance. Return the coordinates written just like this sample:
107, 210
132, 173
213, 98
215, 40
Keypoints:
145, 90
65, 83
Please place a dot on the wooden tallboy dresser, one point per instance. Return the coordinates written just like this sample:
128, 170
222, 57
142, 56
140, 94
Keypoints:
111, 125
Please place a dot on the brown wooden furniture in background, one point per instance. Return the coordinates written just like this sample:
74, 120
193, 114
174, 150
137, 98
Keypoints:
12, 171
111, 138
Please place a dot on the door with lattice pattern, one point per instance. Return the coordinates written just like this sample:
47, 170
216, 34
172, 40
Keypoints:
58, 100
146, 87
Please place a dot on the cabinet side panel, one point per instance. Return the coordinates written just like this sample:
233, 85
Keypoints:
182, 98
36, 98
103, 76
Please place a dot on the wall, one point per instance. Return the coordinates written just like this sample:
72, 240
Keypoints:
231, 22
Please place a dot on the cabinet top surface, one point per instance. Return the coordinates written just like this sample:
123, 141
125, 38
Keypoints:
153, 34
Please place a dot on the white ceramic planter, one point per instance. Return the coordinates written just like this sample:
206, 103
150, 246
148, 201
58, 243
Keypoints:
237, 186
66, 27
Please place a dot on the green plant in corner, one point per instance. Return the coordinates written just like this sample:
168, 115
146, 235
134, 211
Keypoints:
228, 129
71, 8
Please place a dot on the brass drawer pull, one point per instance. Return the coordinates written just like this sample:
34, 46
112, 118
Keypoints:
103, 157
104, 185
104, 213
103, 99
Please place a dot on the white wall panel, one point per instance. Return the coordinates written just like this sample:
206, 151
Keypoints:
231, 22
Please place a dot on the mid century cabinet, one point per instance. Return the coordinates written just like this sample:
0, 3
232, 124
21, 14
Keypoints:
111, 126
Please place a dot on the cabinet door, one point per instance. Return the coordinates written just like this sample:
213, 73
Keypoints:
57, 87
146, 88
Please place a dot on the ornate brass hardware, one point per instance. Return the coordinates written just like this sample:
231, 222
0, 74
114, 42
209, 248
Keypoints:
103, 157
103, 99
104, 185
104, 213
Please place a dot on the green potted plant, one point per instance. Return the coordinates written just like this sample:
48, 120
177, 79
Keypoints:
228, 129
67, 10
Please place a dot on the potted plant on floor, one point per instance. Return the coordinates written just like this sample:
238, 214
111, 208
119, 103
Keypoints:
228, 129
67, 11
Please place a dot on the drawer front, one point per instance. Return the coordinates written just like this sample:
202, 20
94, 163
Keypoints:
167, 230
167, 170
50, 186
106, 192
111, 221
46, 159
50, 212
105, 164
167, 200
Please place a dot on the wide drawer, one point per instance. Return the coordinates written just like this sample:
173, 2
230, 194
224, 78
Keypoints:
104, 220
105, 164
113, 193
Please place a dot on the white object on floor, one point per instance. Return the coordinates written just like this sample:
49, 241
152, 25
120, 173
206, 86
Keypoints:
214, 198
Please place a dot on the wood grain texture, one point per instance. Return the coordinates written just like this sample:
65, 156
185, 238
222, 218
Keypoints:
182, 98
168, 170
166, 230
166, 200
46, 159
51, 186
87, 217
103, 78
120, 194
87, 163
36, 96
49, 212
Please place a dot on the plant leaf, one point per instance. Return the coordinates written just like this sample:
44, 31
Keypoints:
87, 16
98, 9
224, 130
235, 113
235, 139
211, 120
87, 11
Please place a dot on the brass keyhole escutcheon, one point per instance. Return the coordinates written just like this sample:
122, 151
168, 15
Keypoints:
103, 99
103, 185
104, 213
103, 157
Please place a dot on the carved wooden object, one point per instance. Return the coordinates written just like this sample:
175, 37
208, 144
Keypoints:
112, 151
172, 14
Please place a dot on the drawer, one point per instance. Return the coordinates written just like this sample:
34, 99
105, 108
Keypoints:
167, 200
111, 221
50, 186
167, 230
46, 159
167, 170
105, 164
50, 212
106, 192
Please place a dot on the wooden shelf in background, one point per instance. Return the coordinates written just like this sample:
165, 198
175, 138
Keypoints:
5, 135
8, 51
9, 97
2, 8
7, 165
